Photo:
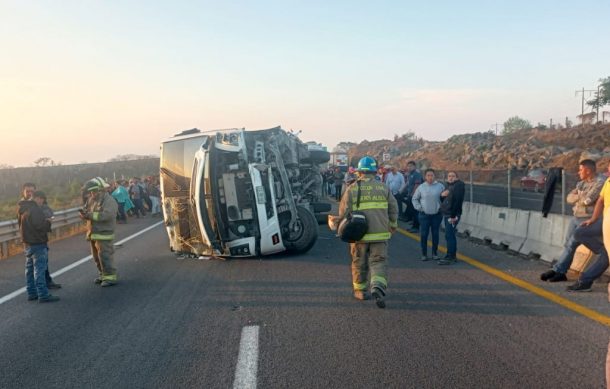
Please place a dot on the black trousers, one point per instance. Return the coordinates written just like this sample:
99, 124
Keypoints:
338, 192
412, 213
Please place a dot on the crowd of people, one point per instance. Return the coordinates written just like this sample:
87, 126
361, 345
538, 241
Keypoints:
422, 201
378, 194
137, 197
426, 203
104, 205
408, 195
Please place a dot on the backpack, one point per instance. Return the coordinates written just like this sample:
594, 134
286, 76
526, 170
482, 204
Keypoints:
354, 226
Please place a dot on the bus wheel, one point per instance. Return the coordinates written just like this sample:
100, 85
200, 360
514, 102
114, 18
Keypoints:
305, 234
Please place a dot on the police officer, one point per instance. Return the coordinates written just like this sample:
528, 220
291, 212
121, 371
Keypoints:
381, 212
100, 213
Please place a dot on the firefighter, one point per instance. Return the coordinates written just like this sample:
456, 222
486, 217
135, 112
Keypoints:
370, 253
100, 213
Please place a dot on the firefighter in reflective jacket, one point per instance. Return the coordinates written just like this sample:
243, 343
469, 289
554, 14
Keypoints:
370, 253
100, 213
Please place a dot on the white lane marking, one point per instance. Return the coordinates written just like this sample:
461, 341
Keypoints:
247, 360
71, 266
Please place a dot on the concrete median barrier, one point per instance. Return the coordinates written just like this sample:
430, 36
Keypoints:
545, 236
524, 232
499, 226
468, 221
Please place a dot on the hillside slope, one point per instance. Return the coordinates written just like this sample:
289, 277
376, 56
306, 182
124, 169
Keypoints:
525, 149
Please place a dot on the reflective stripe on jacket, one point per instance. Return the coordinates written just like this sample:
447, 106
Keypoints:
376, 203
103, 218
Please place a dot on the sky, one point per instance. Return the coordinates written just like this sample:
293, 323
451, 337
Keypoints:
89, 80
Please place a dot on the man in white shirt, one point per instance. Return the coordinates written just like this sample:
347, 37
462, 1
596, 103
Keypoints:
394, 181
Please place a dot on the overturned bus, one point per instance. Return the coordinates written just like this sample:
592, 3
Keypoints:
241, 193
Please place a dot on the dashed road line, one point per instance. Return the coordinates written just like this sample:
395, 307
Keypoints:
584, 311
71, 266
247, 360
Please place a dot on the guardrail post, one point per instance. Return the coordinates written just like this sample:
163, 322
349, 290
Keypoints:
509, 179
563, 192
471, 187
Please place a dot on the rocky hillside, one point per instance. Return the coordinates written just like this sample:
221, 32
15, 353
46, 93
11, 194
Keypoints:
525, 149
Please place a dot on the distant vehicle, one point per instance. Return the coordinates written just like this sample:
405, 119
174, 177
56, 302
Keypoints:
339, 158
241, 193
535, 180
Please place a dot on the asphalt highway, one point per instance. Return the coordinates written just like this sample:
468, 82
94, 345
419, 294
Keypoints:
291, 322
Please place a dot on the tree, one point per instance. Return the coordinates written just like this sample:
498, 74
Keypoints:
6, 166
44, 161
130, 157
515, 123
604, 94
409, 136
345, 146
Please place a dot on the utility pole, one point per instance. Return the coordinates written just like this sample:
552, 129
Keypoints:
598, 103
495, 124
550, 123
582, 113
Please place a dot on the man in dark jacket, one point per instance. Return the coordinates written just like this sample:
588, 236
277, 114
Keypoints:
27, 191
34, 228
451, 207
413, 181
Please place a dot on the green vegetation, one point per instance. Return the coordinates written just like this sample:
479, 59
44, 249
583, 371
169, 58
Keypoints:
516, 123
58, 198
62, 183
604, 94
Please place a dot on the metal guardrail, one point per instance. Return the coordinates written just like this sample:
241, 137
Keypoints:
9, 230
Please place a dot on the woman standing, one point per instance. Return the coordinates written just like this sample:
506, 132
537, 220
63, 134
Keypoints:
427, 202
451, 208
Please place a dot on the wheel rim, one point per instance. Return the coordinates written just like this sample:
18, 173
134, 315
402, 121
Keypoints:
296, 235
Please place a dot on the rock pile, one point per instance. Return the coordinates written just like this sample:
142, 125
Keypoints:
525, 149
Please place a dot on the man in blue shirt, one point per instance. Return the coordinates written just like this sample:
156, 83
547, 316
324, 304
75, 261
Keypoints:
394, 181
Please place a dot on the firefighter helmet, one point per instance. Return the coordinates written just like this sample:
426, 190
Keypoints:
96, 183
367, 165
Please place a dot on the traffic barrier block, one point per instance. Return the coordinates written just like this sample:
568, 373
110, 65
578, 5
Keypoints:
545, 236
503, 227
468, 220
526, 232
478, 214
